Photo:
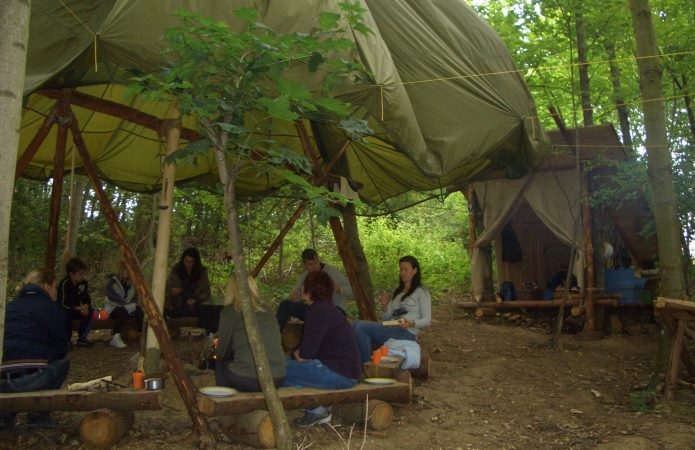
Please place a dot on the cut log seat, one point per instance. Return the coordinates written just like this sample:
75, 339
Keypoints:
64, 400
297, 398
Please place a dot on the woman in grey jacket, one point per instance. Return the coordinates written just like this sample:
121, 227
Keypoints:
410, 305
121, 302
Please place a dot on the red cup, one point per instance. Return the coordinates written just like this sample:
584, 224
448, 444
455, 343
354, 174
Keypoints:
138, 378
376, 356
103, 315
95, 315
384, 350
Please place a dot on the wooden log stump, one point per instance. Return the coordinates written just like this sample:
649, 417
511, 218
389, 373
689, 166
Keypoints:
254, 429
578, 310
104, 428
130, 333
379, 414
423, 372
485, 312
292, 337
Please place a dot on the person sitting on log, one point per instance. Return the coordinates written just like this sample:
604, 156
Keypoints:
73, 295
410, 309
235, 366
34, 348
121, 303
293, 307
188, 288
327, 358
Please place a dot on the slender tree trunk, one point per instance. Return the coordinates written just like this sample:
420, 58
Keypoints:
281, 427
620, 106
688, 108
668, 230
161, 255
14, 29
584, 89
353, 237
75, 215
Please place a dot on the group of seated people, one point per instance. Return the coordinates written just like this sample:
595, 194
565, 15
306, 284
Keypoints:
38, 327
332, 351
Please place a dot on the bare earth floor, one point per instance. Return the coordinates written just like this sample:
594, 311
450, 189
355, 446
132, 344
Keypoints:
492, 386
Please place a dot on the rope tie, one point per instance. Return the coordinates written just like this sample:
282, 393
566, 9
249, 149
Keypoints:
86, 27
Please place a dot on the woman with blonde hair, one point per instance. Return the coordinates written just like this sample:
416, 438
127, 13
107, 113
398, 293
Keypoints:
121, 303
236, 367
35, 349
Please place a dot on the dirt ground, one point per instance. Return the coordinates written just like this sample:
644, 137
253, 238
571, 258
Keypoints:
493, 385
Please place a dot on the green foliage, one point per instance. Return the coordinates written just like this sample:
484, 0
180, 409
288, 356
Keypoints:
643, 401
238, 84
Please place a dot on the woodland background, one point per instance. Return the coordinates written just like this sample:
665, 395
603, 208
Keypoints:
576, 56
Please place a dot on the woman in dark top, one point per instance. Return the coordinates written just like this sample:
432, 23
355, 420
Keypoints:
188, 288
327, 358
235, 366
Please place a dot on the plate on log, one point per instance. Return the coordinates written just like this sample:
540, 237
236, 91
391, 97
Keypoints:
379, 380
217, 391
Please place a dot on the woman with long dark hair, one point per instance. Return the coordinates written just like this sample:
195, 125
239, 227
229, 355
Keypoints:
187, 288
409, 307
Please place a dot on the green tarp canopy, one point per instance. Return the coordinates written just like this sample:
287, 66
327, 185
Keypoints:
446, 104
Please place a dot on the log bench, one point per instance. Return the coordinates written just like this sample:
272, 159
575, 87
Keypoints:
247, 422
109, 417
393, 369
174, 325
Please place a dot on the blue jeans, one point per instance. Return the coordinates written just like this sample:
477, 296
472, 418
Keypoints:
314, 373
52, 377
368, 333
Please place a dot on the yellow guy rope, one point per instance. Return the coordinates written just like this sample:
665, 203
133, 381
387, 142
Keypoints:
94, 35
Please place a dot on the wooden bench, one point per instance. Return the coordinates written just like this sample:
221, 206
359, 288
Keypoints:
247, 421
392, 369
110, 413
129, 326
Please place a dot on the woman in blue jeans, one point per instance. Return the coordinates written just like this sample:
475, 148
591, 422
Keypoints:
410, 303
35, 348
327, 357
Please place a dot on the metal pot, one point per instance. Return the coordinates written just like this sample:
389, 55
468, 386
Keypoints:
154, 384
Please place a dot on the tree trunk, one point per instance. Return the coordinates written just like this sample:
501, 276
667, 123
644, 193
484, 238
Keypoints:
672, 282
584, 90
281, 427
623, 115
14, 29
77, 192
161, 255
353, 238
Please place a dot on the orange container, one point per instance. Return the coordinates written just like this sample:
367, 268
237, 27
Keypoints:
103, 315
138, 377
376, 356
384, 350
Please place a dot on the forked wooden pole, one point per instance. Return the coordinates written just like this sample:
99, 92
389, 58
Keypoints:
35, 143
156, 322
587, 236
363, 304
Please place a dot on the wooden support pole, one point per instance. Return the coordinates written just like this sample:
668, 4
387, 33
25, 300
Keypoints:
278, 240
364, 305
56, 196
121, 111
587, 236
674, 360
104, 428
155, 320
670, 323
35, 143
161, 252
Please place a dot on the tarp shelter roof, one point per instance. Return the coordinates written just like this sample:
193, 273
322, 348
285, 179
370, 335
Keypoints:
446, 103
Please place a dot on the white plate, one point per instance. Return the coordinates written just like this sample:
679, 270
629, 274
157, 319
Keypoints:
218, 391
379, 380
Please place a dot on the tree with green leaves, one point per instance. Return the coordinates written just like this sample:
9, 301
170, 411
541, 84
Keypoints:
242, 88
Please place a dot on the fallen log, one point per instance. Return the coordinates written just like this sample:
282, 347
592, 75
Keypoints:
104, 428
515, 304
64, 400
299, 398
379, 414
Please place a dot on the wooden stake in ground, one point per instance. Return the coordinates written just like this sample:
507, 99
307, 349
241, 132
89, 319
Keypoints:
156, 322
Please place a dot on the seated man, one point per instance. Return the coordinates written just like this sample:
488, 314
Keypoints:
35, 348
294, 307
73, 296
